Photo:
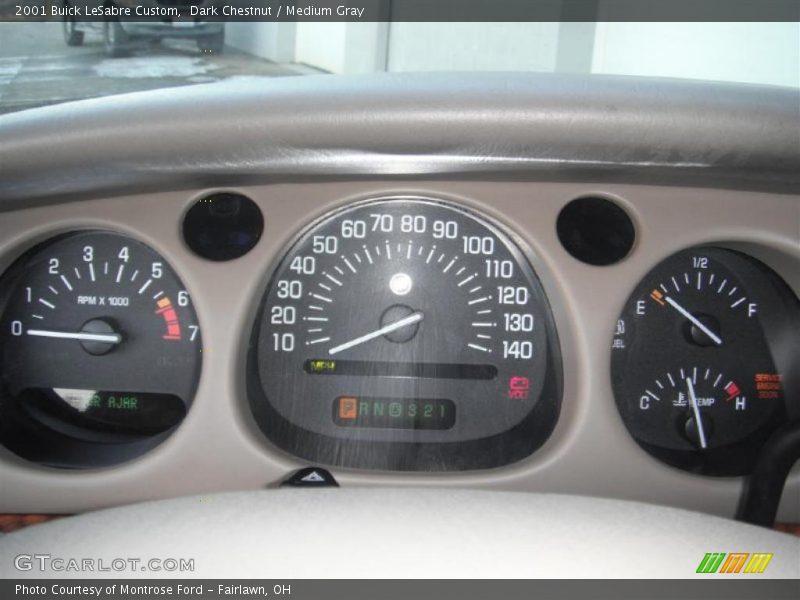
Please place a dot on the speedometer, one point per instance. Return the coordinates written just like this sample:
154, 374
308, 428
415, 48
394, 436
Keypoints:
405, 334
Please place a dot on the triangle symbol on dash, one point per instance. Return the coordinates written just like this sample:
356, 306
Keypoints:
313, 477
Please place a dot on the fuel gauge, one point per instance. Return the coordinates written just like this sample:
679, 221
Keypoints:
702, 360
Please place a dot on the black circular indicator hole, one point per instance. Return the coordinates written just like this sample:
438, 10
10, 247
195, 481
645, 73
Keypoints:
596, 231
223, 226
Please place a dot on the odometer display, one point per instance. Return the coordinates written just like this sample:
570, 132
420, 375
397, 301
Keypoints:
408, 334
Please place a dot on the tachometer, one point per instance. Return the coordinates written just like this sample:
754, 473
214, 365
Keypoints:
99, 351
407, 334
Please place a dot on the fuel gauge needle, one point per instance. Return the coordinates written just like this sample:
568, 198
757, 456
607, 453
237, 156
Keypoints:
107, 338
695, 321
696, 410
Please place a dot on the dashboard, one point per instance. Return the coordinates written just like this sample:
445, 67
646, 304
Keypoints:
536, 289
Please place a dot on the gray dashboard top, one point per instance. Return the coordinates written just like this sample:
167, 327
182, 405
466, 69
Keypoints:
511, 126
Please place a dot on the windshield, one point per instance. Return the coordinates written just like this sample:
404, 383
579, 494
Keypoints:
67, 58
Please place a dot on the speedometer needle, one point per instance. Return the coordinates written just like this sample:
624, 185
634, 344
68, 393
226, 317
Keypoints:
107, 338
695, 321
410, 319
696, 410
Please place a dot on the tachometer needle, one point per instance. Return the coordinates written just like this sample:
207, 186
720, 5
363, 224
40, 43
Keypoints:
107, 338
409, 320
696, 322
696, 410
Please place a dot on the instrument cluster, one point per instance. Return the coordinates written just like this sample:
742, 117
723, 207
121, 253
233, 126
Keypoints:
401, 332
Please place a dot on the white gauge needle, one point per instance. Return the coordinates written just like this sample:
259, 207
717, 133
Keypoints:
412, 318
108, 338
696, 410
717, 340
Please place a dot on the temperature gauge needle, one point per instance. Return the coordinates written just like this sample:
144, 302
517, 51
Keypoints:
696, 410
695, 321
106, 338
409, 320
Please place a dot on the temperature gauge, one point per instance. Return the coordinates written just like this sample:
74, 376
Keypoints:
702, 360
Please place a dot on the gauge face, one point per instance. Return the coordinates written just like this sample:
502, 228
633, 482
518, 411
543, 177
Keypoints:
703, 360
405, 334
99, 351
